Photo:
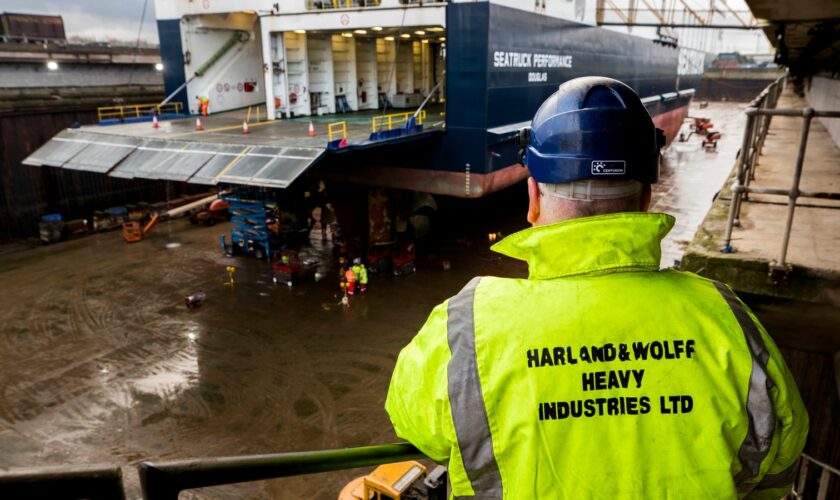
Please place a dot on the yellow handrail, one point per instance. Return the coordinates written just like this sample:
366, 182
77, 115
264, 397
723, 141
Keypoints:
389, 122
335, 128
136, 110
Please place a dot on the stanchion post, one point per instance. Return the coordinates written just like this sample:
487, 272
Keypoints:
807, 114
738, 183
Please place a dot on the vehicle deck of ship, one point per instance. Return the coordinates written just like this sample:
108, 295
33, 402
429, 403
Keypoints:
226, 128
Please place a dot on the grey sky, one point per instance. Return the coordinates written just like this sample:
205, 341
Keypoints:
119, 19
97, 19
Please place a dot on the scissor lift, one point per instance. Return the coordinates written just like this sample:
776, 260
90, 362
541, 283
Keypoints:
252, 217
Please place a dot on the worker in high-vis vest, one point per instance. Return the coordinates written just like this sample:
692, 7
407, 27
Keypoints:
203, 105
599, 376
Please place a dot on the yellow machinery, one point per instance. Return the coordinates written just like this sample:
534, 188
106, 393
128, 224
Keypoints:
397, 481
132, 232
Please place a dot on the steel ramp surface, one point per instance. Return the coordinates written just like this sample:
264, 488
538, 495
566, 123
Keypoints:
183, 160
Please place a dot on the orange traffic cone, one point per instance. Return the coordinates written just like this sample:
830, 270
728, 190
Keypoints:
198, 124
311, 129
155, 122
245, 129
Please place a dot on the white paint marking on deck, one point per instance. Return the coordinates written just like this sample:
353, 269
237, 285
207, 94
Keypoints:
114, 144
173, 150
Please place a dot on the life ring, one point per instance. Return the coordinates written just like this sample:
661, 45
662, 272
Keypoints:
292, 97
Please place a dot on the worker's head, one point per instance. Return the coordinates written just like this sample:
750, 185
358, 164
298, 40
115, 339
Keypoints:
591, 149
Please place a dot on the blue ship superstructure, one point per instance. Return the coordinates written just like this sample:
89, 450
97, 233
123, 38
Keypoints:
424, 96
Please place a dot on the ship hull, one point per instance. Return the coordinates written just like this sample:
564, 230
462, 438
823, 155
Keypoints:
501, 64
464, 184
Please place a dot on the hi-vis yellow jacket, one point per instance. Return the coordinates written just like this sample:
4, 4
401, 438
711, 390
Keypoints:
599, 376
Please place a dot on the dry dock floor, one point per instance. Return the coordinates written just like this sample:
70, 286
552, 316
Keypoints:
102, 363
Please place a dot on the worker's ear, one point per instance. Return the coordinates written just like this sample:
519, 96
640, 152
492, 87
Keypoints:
646, 194
533, 201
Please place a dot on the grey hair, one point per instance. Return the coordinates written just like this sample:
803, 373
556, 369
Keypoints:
591, 197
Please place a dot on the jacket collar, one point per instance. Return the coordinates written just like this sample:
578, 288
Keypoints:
626, 241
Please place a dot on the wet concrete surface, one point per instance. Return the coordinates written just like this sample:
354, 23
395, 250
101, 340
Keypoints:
691, 175
102, 363
815, 234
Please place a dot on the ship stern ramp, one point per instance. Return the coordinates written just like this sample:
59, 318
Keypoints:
273, 155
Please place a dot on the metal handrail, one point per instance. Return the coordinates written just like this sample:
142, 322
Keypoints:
759, 115
825, 477
388, 122
337, 128
136, 110
165, 480
96, 482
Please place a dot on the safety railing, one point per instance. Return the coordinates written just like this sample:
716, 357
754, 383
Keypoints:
96, 482
759, 115
337, 131
382, 123
136, 110
824, 483
166, 480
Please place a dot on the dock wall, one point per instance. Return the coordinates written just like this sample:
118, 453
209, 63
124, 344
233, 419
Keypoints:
27, 193
800, 312
824, 94
36, 103
735, 84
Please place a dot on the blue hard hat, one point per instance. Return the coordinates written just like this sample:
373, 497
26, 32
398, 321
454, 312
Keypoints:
592, 128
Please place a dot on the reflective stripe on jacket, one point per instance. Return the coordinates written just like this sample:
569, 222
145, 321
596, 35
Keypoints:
599, 376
